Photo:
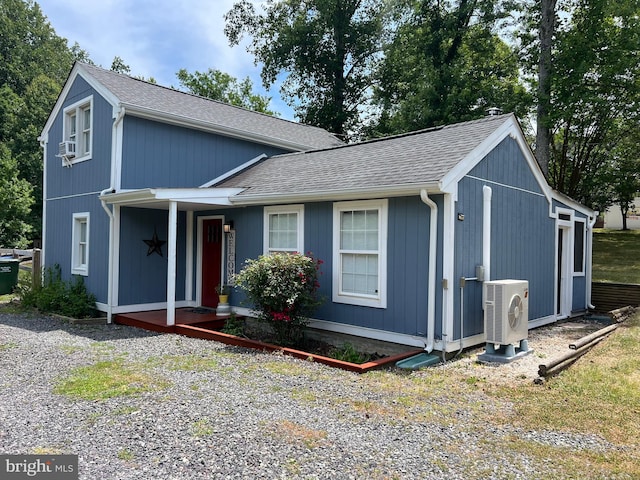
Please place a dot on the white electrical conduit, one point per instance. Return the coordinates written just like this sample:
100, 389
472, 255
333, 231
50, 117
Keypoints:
486, 232
433, 237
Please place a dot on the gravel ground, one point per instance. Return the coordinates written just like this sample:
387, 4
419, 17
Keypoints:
245, 414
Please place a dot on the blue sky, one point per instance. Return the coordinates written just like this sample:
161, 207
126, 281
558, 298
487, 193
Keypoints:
156, 38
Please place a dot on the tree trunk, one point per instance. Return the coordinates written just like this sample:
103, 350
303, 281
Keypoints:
543, 130
624, 212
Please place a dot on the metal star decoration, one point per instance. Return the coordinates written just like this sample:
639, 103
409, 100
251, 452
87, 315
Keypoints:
155, 244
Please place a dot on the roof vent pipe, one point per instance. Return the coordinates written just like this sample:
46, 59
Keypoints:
433, 237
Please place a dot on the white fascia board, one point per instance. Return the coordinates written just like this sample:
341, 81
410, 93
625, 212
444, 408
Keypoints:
206, 196
183, 121
511, 128
76, 71
571, 203
335, 195
236, 170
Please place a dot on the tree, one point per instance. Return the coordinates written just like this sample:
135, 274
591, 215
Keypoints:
16, 200
118, 66
595, 93
445, 64
543, 130
222, 87
326, 48
34, 63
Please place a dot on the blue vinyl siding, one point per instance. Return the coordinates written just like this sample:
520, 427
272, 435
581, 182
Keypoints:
407, 277
59, 225
522, 235
160, 155
93, 175
143, 278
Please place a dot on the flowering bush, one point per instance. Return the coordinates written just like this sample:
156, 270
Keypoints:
283, 289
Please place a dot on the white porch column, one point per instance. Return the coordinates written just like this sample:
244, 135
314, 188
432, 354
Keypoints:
171, 263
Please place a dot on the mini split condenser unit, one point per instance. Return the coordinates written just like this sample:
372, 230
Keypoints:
506, 311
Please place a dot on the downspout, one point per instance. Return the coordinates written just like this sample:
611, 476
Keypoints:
433, 237
111, 216
589, 265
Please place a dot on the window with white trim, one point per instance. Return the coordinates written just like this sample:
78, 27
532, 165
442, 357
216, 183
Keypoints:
578, 247
284, 229
360, 253
77, 131
80, 244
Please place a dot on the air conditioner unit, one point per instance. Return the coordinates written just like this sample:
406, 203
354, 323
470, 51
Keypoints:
506, 311
67, 149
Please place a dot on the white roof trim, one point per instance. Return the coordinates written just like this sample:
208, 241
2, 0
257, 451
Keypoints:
356, 193
509, 128
201, 196
230, 173
76, 71
183, 121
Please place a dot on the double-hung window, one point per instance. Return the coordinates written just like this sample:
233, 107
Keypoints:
80, 244
284, 229
360, 253
77, 131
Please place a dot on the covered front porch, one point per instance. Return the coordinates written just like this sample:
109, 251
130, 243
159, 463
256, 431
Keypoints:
137, 290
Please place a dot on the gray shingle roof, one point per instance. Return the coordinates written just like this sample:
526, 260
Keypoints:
418, 158
166, 101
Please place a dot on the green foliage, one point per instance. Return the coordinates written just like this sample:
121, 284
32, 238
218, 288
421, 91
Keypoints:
15, 201
594, 94
234, 326
70, 299
445, 64
34, 63
348, 353
222, 87
326, 48
283, 289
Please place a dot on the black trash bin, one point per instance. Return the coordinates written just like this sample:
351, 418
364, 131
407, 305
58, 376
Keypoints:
8, 274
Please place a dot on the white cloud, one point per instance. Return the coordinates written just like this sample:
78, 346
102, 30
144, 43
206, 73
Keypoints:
156, 38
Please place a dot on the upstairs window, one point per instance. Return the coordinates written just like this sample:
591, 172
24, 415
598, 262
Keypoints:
283, 229
80, 244
77, 138
360, 256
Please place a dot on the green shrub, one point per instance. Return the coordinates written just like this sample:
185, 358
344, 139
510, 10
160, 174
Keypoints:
70, 299
234, 326
283, 289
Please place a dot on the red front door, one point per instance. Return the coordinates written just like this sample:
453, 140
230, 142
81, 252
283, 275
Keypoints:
211, 261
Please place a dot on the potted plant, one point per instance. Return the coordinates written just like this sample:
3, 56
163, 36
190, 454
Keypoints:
223, 292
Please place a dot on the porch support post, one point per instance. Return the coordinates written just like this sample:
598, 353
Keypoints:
171, 263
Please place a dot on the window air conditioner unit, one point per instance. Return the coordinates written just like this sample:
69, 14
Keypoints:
506, 311
67, 149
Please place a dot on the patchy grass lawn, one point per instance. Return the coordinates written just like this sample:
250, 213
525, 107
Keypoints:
616, 256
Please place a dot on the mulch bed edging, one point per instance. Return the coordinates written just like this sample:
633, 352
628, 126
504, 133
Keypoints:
198, 332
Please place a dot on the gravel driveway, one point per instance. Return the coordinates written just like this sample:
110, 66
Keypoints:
236, 413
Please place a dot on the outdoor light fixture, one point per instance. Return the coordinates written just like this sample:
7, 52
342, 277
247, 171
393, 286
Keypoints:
228, 226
